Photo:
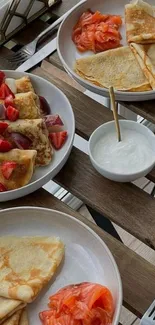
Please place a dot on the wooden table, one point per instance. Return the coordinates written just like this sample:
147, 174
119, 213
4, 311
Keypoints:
125, 204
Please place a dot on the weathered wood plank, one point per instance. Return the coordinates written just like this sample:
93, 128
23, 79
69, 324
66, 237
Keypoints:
138, 276
30, 32
145, 109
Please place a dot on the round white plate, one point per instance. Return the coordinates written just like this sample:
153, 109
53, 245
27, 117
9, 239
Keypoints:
68, 53
59, 104
87, 258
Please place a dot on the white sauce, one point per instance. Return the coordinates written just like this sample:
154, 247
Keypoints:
131, 155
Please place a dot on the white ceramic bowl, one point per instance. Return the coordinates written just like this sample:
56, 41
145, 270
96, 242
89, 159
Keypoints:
59, 105
110, 127
68, 53
87, 257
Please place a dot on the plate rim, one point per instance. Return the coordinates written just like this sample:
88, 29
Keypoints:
30, 186
89, 84
90, 230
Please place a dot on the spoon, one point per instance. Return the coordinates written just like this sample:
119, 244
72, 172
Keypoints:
115, 113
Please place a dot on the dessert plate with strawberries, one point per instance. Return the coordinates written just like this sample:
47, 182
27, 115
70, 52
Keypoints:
37, 128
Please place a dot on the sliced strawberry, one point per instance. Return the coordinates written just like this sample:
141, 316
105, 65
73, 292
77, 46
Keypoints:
8, 101
3, 126
2, 77
2, 188
58, 139
5, 145
5, 91
2, 91
8, 168
12, 113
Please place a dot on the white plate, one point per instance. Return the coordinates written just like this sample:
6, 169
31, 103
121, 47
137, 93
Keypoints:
68, 53
59, 105
87, 258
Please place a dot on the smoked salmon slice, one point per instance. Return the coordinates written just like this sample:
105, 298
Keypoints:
97, 32
81, 304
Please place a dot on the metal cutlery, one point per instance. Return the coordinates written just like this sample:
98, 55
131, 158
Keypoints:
149, 316
39, 56
13, 61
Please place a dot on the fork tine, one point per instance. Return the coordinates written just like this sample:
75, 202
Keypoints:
16, 56
18, 59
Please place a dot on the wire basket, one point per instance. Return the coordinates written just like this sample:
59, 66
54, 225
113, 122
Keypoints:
18, 13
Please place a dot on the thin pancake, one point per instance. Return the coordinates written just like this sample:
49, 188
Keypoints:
28, 264
37, 132
24, 318
7, 306
21, 306
145, 55
28, 105
140, 22
117, 68
23, 172
24, 85
14, 319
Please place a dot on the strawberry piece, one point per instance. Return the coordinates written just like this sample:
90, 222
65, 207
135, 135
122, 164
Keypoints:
2, 77
5, 91
8, 101
5, 145
8, 168
2, 188
58, 139
3, 127
12, 113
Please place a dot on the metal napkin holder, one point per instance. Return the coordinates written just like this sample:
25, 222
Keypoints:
12, 11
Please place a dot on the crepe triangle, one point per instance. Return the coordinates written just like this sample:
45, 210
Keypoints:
27, 265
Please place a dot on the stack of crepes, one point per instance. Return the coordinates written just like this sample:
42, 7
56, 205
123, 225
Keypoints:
28, 132
128, 68
26, 265
140, 30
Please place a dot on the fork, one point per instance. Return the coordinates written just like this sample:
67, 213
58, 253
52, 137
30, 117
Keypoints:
13, 61
149, 316
16, 59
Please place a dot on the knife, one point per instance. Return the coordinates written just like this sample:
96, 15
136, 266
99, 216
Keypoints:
47, 49
39, 56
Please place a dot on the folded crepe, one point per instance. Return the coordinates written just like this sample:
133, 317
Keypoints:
23, 172
140, 22
145, 55
28, 105
117, 68
8, 307
24, 85
27, 265
37, 132
24, 318
14, 319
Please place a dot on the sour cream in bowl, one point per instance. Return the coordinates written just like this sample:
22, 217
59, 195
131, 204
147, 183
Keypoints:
124, 161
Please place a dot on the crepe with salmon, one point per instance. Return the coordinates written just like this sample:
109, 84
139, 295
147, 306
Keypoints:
8, 307
117, 68
145, 55
24, 85
14, 319
36, 131
27, 265
22, 164
140, 22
